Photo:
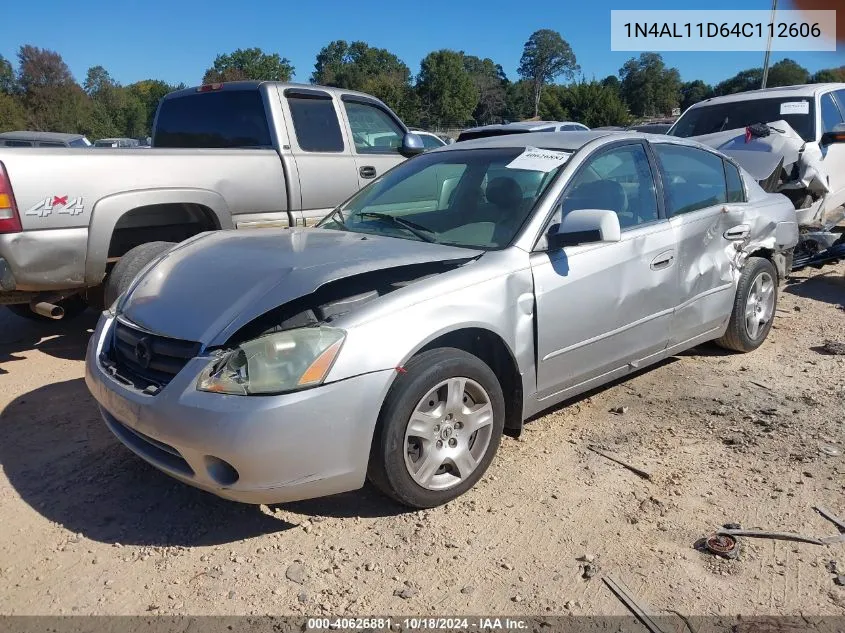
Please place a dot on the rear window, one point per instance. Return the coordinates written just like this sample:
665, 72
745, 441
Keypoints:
230, 118
799, 112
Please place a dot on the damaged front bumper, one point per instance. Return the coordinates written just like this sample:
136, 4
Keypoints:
252, 449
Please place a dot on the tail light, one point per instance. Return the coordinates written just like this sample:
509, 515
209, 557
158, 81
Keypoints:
10, 221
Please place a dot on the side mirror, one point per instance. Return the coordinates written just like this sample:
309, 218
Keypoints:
411, 145
837, 135
585, 226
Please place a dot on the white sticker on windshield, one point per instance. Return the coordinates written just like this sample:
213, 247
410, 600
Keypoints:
539, 160
795, 107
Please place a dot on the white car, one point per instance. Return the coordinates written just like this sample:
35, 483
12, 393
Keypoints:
521, 127
786, 138
429, 139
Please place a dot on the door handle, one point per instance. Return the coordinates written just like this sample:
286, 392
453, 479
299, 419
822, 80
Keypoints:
664, 260
367, 171
738, 232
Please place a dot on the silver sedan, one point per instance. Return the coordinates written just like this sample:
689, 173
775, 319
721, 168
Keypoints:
459, 294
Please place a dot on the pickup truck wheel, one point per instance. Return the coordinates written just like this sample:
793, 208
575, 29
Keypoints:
129, 266
73, 307
754, 307
438, 430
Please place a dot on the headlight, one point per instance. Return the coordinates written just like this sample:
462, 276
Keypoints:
285, 361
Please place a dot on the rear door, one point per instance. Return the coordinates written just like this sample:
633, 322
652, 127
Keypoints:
323, 158
705, 221
833, 114
376, 137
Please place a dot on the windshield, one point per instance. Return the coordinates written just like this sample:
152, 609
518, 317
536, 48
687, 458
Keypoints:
797, 111
472, 198
80, 142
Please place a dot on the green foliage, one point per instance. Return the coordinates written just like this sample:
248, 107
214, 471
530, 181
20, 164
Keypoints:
787, 72
149, 93
694, 91
491, 85
749, 79
593, 103
545, 57
829, 75
446, 90
648, 86
249, 63
12, 113
8, 82
519, 101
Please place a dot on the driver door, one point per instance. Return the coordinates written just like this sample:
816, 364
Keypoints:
603, 308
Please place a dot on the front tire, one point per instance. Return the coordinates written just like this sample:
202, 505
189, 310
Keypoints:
129, 266
439, 428
754, 307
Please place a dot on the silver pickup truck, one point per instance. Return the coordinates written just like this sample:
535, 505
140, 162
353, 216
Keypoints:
76, 225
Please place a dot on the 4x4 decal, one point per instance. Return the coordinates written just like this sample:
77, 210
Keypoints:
59, 204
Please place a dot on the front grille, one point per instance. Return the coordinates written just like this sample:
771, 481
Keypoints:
148, 359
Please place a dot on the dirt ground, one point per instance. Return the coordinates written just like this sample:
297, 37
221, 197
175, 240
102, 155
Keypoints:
88, 528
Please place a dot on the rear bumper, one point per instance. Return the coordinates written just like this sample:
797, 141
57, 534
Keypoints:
43, 260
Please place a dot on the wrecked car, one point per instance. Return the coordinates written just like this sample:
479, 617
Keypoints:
459, 294
791, 140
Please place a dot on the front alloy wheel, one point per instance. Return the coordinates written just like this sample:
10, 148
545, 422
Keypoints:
439, 428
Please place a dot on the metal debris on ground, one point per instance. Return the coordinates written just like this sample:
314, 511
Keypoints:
722, 545
619, 410
840, 580
624, 594
634, 469
778, 536
833, 348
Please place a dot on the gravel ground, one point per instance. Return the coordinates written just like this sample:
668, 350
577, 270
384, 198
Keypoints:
88, 528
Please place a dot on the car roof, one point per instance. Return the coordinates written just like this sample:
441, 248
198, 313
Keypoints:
282, 85
522, 125
803, 90
39, 136
562, 141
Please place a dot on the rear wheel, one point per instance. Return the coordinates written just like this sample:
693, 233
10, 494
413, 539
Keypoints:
129, 266
439, 429
754, 307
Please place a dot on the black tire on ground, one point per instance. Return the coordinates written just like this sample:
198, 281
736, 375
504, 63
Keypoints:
129, 266
73, 306
387, 469
737, 337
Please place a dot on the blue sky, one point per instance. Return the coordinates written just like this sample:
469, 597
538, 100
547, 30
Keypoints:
177, 40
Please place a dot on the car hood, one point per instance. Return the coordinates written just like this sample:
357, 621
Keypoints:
206, 289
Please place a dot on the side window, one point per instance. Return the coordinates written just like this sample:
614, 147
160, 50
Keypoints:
831, 117
619, 180
840, 97
373, 130
429, 142
736, 192
692, 178
316, 125
18, 143
49, 144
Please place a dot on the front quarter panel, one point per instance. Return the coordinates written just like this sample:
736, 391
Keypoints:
493, 293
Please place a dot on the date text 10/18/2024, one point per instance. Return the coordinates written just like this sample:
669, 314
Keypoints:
725, 29
418, 623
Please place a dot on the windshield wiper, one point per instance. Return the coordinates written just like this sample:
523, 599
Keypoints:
337, 215
417, 229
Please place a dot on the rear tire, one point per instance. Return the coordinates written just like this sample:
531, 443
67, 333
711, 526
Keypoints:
73, 307
129, 266
754, 307
456, 405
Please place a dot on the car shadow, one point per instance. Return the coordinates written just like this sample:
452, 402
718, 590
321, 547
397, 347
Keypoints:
60, 339
62, 460
827, 287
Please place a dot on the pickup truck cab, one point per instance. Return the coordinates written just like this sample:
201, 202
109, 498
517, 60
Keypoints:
42, 139
77, 225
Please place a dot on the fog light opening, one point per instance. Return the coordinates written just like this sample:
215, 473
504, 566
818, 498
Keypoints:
220, 471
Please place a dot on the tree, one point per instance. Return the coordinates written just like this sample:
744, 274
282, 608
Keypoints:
787, 72
149, 93
828, 75
8, 83
491, 84
12, 113
592, 103
41, 68
749, 79
53, 101
612, 81
97, 81
648, 86
249, 63
518, 101
545, 57
446, 89
377, 71
694, 91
